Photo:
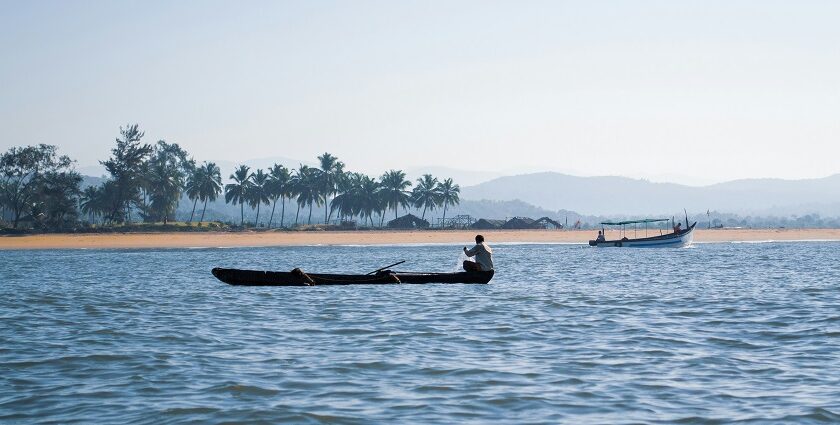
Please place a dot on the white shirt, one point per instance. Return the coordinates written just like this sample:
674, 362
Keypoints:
483, 256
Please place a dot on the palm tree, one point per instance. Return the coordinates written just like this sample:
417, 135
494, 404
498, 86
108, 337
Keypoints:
347, 200
237, 192
331, 170
279, 187
91, 202
306, 188
368, 198
167, 180
394, 187
193, 187
258, 193
449, 195
426, 194
211, 184
381, 203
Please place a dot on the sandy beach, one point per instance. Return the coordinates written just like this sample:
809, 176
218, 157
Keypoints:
286, 238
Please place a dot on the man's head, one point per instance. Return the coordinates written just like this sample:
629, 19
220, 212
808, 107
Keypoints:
599, 232
479, 239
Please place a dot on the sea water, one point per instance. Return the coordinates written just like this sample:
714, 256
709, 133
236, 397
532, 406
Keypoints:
715, 333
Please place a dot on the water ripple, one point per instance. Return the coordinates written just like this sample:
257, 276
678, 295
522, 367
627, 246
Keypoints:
720, 333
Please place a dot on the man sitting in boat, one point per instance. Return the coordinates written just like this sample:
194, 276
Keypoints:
678, 227
600, 237
483, 256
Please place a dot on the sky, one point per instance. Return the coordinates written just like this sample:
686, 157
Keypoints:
689, 92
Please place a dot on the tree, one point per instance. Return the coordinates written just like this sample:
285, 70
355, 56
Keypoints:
394, 187
167, 169
449, 195
331, 170
126, 168
306, 189
279, 187
426, 194
57, 196
210, 186
369, 198
237, 192
258, 193
346, 202
193, 188
91, 202
34, 175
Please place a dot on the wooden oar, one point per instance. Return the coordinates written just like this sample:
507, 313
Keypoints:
392, 265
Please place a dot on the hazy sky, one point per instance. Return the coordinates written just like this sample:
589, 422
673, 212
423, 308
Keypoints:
659, 89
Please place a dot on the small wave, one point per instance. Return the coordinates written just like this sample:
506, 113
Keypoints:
243, 389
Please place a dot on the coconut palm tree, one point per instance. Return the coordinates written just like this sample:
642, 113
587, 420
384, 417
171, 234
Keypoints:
347, 200
307, 189
258, 193
211, 184
395, 189
304, 188
167, 179
330, 172
237, 192
426, 194
91, 202
449, 195
369, 198
193, 188
279, 180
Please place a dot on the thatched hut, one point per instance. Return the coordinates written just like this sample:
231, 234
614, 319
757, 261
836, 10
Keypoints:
547, 223
487, 224
520, 223
408, 221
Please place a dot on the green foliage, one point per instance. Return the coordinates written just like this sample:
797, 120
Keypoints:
126, 167
279, 187
164, 179
38, 186
306, 188
394, 188
258, 193
330, 173
449, 194
427, 194
237, 192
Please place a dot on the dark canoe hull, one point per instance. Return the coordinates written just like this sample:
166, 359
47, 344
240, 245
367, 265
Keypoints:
268, 278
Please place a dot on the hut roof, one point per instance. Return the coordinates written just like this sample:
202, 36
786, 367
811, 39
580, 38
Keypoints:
484, 223
546, 223
408, 221
521, 223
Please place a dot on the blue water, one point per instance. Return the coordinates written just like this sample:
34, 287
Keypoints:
716, 333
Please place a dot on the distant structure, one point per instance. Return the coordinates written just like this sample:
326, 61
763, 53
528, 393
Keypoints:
487, 224
408, 221
520, 223
457, 222
547, 223
530, 223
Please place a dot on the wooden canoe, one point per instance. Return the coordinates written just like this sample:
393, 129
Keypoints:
297, 277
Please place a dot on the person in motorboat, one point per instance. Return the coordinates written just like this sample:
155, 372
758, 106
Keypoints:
483, 256
678, 227
600, 237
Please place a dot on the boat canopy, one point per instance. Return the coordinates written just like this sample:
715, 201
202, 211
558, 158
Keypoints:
645, 220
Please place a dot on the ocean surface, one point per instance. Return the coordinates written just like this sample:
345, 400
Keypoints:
714, 333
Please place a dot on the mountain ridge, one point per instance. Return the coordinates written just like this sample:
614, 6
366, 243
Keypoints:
610, 195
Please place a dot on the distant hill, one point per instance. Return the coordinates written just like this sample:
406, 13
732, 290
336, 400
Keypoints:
461, 177
609, 196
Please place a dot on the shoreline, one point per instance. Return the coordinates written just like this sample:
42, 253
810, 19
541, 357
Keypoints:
372, 237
